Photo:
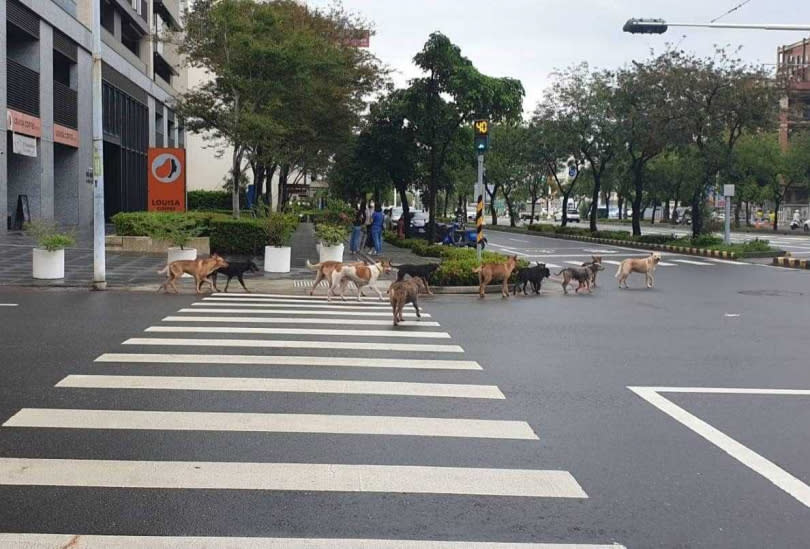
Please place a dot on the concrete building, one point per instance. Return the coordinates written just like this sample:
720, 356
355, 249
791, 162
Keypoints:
45, 92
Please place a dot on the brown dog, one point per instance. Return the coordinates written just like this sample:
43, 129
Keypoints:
488, 272
200, 269
644, 265
403, 292
594, 260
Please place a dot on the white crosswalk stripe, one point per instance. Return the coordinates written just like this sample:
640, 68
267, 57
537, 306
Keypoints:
321, 330
665, 264
297, 344
291, 320
282, 385
690, 262
612, 262
724, 261
276, 360
297, 331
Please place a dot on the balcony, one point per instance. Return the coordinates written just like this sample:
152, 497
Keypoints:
65, 110
23, 88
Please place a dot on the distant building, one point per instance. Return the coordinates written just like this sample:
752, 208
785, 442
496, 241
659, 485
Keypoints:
45, 102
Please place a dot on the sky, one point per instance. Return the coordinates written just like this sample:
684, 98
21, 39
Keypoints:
529, 39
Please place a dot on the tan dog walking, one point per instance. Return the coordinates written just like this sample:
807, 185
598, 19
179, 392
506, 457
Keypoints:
403, 292
644, 265
488, 272
200, 269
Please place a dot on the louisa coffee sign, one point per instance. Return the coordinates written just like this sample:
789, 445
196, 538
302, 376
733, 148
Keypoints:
167, 179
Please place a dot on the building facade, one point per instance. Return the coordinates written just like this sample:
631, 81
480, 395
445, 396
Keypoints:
45, 93
793, 63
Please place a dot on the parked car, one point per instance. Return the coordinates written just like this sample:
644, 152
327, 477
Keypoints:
573, 214
419, 221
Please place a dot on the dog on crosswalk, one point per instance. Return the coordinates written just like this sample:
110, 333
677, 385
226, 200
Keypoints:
403, 292
594, 260
644, 265
339, 274
200, 269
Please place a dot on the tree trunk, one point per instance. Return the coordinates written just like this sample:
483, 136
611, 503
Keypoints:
620, 200
666, 211
236, 164
534, 200
565, 208
283, 175
655, 208
493, 212
268, 199
511, 209
776, 203
747, 213
638, 184
737, 211
597, 185
403, 197
697, 213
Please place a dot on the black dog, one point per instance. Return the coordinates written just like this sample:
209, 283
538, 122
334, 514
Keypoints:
235, 269
535, 275
423, 271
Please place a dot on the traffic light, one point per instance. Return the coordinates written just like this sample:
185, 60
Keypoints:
481, 136
645, 26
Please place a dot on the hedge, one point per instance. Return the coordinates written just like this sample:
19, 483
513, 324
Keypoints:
213, 200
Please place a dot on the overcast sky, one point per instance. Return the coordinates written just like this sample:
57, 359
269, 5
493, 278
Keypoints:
528, 39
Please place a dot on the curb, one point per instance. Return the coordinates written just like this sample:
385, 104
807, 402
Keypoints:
791, 262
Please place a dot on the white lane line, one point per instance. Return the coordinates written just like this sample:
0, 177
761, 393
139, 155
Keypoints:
57, 418
665, 264
297, 312
275, 360
318, 477
238, 303
283, 385
577, 263
297, 331
690, 262
93, 541
282, 344
730, 391
553, 266
307, 321
354, 304
518, 240
611, 262
743, 454
725, 261
8, 304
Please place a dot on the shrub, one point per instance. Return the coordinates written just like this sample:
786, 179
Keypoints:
543, 227
279, 228
237, 236
145, 223
655, 238
48, 236
756, 246
177, 229
331, 234
214, 200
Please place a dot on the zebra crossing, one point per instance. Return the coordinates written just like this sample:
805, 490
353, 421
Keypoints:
707, 262
317, 342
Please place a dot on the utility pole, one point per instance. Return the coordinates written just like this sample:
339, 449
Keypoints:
99, 252
481, 144
728, 194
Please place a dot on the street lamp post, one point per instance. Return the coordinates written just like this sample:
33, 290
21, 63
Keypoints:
99, 253
659, 26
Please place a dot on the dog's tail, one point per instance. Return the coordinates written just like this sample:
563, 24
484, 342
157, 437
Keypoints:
312, 267
618, 272
164, 270
561, 272
477, 269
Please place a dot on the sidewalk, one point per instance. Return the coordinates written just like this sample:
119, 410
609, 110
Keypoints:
138, 271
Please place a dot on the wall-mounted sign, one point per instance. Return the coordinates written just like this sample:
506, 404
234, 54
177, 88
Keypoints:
65, 136
167, 179
24, 145
19, 122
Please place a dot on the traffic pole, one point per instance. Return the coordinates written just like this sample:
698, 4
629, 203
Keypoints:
99, 252
479, 226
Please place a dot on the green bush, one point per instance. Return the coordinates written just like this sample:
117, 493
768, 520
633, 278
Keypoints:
543, 227
655, 238
146, 223
214, 200
177, 230
756, 245
331, 234
237, 236
48, 235
279, 228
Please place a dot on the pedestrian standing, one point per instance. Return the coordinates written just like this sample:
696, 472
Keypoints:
357, 229
377, 220
369, 242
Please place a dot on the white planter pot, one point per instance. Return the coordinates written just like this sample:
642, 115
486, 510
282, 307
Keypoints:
48, 265
330, 253
277, 259
175, 253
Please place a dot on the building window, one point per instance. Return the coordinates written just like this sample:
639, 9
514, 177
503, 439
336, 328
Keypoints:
108, 17
131, 39
159, 126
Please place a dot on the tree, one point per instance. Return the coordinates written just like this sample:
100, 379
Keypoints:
794, 170
507, 165
452, 93
754, 169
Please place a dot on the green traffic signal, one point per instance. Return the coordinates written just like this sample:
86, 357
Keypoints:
481, 143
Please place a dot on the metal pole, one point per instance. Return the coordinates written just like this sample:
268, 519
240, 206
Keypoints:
727, 238
482, 193
99, 256
757, 26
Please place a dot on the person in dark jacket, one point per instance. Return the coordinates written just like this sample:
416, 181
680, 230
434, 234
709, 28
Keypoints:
358, 224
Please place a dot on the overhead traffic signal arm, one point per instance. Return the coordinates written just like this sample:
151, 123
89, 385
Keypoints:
645, 26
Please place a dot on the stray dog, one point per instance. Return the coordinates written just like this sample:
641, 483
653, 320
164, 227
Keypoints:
339, 274
583, 275
644, 265
488, 272
533, 275
403, 292
594, 259
200, 269
235, 269
423, 271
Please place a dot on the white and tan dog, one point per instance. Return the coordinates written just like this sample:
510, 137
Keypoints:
339, 274
644, 265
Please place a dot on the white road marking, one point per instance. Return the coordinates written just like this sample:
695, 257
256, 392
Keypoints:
307, 321
304, 304
94, 541
8, 304
318, 477
690, 262
665, 264
725, 261
741, 453
241, 303
299, 297
284, 344
728, 391
577, 263
553, 266
57, 418
275, 360
518, 240
298, 312
611, 262
282, 385
731, 315
297, 331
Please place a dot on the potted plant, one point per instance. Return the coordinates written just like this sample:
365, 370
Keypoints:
49, 255
177, 231
279, 229
331, 238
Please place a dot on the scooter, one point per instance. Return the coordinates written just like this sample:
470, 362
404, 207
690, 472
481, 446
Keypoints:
796, 224
457, 235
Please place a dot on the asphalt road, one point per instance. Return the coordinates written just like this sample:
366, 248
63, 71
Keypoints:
571, 455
